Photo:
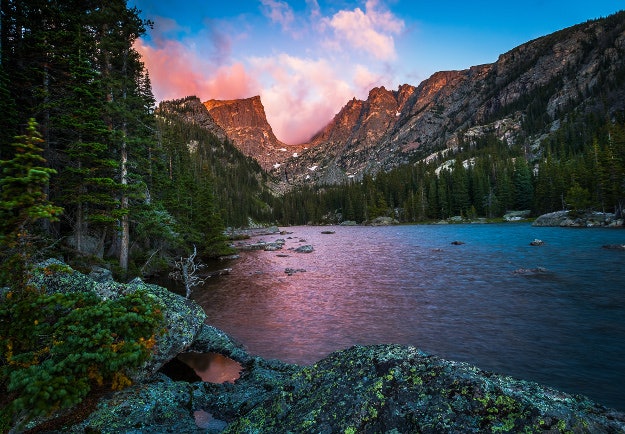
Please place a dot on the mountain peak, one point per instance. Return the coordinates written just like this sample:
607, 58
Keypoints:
245, 123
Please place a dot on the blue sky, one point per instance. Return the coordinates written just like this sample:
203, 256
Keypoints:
307, 58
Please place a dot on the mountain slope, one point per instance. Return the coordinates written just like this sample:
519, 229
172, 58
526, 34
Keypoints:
521, 98
198, 151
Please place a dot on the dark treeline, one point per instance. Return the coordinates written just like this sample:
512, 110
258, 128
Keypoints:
135, 188
580, 167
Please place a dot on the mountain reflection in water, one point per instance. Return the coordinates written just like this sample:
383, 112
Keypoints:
563, 326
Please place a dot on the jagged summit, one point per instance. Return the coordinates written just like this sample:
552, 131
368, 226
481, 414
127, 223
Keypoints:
245, 123
580, 69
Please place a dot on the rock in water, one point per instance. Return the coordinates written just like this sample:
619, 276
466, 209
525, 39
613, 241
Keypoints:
614, 247
305, 249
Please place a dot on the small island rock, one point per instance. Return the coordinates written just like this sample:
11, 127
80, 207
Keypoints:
305, 249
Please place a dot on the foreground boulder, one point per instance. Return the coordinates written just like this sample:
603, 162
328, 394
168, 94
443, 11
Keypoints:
373, 389
183, 318
391, 388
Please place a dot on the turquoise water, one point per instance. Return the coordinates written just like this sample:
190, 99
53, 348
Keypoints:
563, 326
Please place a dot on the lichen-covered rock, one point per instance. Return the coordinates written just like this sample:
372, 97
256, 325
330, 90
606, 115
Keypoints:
54, 276
159, 406
382, 221
183, 318
391, 388
162, 405
212, 340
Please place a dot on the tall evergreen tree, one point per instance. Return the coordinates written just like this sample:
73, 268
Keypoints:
123, 76
23, 202
523, 187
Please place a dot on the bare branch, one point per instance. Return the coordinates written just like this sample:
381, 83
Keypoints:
185, 272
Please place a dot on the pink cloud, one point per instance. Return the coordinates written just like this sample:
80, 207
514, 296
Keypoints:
279, 12
304, 95
300, 94
176, 72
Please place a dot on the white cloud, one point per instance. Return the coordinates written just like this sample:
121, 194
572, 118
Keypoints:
370, 31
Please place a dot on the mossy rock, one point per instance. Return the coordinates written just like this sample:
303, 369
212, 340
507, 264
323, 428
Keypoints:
391, 388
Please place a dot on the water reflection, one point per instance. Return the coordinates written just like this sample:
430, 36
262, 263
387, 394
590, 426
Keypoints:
213, 367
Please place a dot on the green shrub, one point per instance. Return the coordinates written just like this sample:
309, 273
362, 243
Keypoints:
55, 348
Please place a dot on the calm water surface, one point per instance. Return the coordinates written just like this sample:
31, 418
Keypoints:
409, 285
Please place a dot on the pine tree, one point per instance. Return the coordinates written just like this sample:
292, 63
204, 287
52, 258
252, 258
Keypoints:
523, 188
123, 78
23, 203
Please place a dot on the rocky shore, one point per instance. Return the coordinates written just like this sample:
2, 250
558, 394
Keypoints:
372, 389
579, 220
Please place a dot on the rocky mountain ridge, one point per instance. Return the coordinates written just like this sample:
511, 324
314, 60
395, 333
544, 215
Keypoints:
521, 98
191, 110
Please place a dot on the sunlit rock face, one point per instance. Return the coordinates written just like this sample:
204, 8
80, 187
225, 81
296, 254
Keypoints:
348, 146
567, 74
245, 124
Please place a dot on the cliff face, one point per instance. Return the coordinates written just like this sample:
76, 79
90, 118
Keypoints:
575, 70
245, 124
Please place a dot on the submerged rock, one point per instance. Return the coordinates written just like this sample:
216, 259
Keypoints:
614, 246
305, 249
531, 271
292, 271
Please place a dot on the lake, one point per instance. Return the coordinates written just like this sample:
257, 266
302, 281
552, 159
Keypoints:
554, 313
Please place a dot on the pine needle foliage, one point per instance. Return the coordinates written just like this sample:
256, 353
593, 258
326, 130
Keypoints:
55, 348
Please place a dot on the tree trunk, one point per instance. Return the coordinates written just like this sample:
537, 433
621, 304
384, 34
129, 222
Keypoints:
125, 224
